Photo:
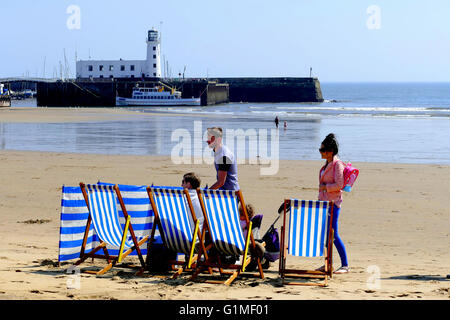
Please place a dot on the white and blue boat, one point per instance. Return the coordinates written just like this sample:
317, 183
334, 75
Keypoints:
156, 96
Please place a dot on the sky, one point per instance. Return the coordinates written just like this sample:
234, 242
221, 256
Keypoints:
342, 41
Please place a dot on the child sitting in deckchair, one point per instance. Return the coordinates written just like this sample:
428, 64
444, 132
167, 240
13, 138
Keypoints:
256, 224
191, 182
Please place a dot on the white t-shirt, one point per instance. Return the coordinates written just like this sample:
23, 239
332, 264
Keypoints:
197, 209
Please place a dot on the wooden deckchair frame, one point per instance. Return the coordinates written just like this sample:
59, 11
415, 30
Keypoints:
112, 259
185, 265
217, 263
296, 273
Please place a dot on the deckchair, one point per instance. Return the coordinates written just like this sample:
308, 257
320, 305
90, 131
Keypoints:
309, 235
221, 214
101, 201
74, 216
177, 224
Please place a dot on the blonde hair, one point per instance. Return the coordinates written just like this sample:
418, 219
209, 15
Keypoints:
250, 210
215, 131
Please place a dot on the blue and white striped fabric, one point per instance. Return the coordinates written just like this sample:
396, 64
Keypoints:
307, 228
173, 211
74, 215
223, 216
104, 214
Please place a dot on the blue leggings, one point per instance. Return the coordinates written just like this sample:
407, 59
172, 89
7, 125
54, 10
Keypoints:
337, 240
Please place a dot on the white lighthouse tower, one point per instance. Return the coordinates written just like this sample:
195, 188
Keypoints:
153, 54
125, 69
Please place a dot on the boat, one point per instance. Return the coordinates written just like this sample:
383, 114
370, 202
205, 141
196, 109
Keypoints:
5, 98
156, 96
27, 94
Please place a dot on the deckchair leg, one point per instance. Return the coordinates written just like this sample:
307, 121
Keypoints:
106, 254
88, 255
231, 279
260, 268
194, 238
107, 268
124, 238
198, 270
150, 242
126, 253
291, 283
228, 281
178, 272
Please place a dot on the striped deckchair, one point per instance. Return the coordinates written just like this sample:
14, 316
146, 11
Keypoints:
101, 201
309, 235
177, 223
74, 216
221, 214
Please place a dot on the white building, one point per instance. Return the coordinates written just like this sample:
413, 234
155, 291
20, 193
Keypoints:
150, 68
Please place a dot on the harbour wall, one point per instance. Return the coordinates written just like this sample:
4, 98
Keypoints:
273, 89
102, 92
210, 92
92, 93
75, 94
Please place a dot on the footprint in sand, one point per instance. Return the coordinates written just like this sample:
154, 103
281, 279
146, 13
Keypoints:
35, 221
401, 295
47, 262
36, 291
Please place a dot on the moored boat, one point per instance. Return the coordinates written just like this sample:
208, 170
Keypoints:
156, 96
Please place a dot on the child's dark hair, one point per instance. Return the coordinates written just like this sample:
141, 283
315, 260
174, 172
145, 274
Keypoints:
193, 179
330, 144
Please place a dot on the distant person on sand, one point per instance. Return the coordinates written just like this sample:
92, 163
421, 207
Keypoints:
224, 162
285, 125
331, 182
191, 182
277, 121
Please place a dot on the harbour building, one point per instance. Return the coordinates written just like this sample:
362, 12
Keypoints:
126, 69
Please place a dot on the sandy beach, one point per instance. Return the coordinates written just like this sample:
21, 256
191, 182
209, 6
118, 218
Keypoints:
395, 222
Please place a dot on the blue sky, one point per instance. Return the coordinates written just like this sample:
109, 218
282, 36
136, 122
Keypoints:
237, 38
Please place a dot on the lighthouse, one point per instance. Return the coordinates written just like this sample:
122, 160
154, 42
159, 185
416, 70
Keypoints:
125, 69
153, 54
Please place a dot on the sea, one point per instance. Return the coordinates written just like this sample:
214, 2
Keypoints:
373, 122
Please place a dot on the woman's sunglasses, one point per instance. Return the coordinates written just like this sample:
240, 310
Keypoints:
322, 150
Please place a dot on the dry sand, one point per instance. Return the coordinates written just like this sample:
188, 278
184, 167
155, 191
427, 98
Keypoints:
396, 221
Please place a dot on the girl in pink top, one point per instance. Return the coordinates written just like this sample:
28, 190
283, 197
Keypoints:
331, 182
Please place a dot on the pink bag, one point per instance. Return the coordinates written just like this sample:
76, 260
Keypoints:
350, 175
